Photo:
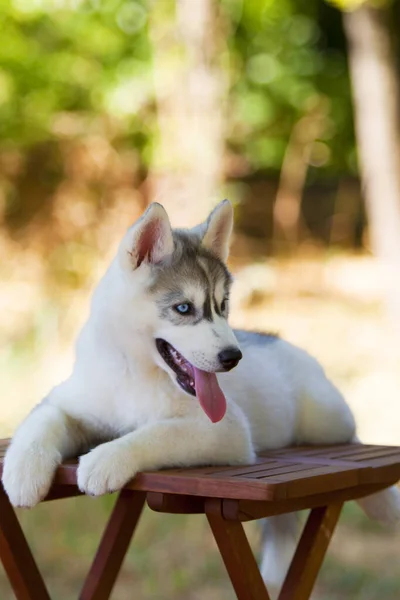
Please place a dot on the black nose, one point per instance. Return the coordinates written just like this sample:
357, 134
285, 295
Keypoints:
229, 358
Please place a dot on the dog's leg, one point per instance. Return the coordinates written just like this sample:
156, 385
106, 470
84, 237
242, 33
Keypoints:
280, 536
39, 445
185, 441
383, 506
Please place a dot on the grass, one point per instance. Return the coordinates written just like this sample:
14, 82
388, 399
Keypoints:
363, 562
174, 557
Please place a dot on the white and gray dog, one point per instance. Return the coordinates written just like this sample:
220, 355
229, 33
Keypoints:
150, 387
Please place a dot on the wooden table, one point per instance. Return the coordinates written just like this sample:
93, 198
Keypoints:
316, 478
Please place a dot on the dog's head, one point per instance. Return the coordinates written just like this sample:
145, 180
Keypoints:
181, 285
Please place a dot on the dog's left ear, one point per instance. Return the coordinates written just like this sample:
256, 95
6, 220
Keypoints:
218, 230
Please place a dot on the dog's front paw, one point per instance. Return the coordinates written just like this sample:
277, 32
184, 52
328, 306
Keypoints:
28, 474
105, 469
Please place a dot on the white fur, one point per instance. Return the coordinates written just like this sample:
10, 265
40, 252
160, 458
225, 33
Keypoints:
122, 395
280, 538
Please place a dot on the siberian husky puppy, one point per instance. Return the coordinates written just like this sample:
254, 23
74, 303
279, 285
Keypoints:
161, 380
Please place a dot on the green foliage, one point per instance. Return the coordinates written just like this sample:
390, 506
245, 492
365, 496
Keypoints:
89, 61
349, 5
76, 66
287, 57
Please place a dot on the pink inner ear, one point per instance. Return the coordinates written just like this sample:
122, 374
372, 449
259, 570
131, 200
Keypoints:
219, 233
147, 240
218, 236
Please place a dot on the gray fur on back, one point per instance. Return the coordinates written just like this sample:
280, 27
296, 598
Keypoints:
253, 338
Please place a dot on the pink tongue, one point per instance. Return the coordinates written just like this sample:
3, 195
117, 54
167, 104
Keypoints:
209, 394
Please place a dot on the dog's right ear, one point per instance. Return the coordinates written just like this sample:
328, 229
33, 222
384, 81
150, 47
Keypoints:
149, 240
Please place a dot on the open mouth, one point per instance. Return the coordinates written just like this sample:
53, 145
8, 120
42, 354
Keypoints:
181, 367
194, 381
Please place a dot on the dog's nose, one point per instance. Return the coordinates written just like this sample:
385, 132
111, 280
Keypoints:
229, 358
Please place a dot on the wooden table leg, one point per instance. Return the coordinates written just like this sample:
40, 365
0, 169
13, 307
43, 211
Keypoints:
16, 556
236, 553
113, 546
310, 552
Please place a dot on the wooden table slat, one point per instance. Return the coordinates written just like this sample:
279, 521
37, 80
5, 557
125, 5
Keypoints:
278, 474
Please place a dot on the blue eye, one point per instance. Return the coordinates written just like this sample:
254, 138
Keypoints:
184, 309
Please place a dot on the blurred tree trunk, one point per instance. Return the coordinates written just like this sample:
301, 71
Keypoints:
376, 102
190, 89
287, 207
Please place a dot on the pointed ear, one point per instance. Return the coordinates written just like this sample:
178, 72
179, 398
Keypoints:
149, 240
218, 229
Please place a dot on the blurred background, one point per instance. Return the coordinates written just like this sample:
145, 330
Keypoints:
289, 108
